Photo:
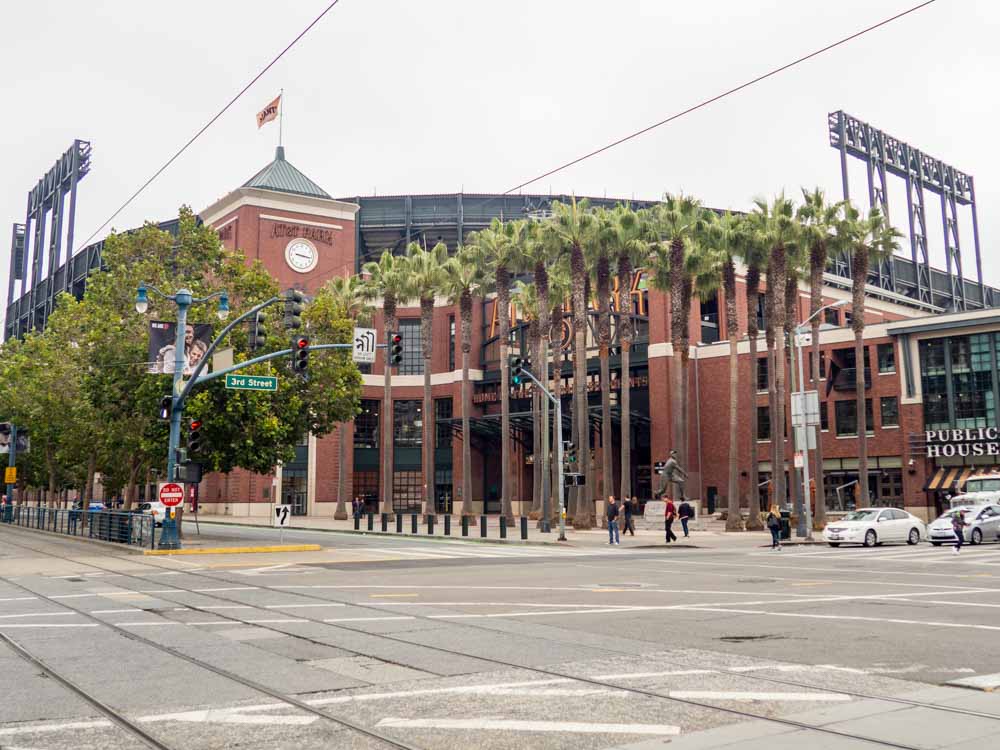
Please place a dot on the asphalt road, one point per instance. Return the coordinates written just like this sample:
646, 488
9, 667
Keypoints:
445, 644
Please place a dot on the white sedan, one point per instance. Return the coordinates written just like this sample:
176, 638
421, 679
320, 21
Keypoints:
871, 526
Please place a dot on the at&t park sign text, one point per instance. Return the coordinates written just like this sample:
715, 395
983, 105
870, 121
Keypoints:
976, 441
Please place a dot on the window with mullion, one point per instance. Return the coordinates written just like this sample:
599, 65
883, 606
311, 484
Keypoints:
413, 358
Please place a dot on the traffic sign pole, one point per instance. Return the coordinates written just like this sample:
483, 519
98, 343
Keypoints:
11, 461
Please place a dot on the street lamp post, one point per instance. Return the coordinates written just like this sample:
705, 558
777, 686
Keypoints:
804, 525
183, 298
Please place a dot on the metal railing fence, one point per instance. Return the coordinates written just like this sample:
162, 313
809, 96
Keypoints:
135, 529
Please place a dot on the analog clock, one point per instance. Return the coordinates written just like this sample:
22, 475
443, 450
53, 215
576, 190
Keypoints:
301, 255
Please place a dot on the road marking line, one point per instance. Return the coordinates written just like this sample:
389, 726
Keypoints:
19, 599
302, 606
603, 610
388, 596
644, 675
114, 611
512, 725
856, 618
227, 606
49, 625
369, 619
98, 723
39, 614
229, 588
725, 695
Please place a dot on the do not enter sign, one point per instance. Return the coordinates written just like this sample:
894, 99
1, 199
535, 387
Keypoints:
171, 494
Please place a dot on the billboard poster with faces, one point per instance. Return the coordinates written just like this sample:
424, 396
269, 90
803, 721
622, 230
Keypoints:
162, 350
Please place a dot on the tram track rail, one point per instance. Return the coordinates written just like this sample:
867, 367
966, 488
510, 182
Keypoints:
552, 673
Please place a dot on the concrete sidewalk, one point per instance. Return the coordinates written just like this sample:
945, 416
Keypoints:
714, 537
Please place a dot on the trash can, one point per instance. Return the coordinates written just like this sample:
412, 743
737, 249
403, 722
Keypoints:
786, 524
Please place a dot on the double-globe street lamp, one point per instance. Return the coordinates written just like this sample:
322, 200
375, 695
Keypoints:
183, 298
804, 526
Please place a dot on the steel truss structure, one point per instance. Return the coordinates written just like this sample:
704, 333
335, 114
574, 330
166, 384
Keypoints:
29, 240
884, 155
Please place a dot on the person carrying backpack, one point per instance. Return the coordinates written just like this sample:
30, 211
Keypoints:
774, 526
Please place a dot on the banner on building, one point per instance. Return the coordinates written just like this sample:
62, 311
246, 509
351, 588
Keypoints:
269, 112
162, 353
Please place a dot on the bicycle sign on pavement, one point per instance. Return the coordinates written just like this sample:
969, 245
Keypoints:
171, 494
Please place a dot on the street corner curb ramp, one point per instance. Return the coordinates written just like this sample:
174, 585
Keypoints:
236, 550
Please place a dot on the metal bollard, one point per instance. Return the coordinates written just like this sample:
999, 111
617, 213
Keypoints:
524, 527
413, 523
503, 527
447, 525
357, 522
430, 524
399, 523
482, 526
371, 521
385, 522
465, 525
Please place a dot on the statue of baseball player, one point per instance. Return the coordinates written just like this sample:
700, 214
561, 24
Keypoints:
673, 474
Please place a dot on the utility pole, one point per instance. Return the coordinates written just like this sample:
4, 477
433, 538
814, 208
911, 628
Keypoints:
557, 404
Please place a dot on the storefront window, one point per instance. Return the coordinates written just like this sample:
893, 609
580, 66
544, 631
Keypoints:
366, 488
442, 490
366, 425
847, 417
407, 490
408, 423
886, 358
890, 411
763, 423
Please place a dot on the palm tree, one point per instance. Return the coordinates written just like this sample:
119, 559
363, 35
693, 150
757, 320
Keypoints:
818, 220
388, 277
426, 271
573, 228
629, 234
525, 298
538, 256
560, 287
727, 240
601, 253
352, 295
776, 225
754, 255
499, 245
870, 240
679, 221
465, 279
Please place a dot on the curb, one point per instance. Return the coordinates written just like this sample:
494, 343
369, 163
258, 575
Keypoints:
986, 683
236, 550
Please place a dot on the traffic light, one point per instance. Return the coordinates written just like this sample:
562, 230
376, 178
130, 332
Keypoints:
395, 349
258, 332
293, 309
195, 438
569, 452
166, 404
516, 370
300, 354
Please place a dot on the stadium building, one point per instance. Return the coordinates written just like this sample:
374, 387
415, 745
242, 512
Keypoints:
932, 350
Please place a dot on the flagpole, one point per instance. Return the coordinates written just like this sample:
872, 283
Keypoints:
281, 113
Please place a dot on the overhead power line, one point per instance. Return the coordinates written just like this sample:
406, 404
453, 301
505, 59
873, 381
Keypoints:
717, 97
209, 124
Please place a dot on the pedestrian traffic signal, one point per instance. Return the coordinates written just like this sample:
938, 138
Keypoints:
395, 349
659, 467
517, 365
293, 309
300, 354
258, 332
166, 405
194, 441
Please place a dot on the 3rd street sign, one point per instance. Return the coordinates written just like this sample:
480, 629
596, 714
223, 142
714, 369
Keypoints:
252, 382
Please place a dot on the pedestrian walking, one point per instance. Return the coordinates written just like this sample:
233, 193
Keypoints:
958, 525
685, 512
612, 514
627, 512
668, 516
774, 526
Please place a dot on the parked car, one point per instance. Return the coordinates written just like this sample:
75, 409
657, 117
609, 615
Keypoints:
156, 509
983, 520
871, 526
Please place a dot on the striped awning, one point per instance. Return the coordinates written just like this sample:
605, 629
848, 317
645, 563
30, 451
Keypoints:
954, 477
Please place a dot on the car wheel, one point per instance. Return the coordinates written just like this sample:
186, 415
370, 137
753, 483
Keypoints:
834, 544
936, 544
871, 538
914, 537
977, 536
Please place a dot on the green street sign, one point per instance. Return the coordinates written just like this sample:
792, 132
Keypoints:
252, 382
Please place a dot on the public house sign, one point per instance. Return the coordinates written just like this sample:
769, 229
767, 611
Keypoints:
975, 441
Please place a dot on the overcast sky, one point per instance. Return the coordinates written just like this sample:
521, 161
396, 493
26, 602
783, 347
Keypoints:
420, 96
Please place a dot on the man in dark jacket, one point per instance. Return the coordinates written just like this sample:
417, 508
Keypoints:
685, 512
627, 510
612, 514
